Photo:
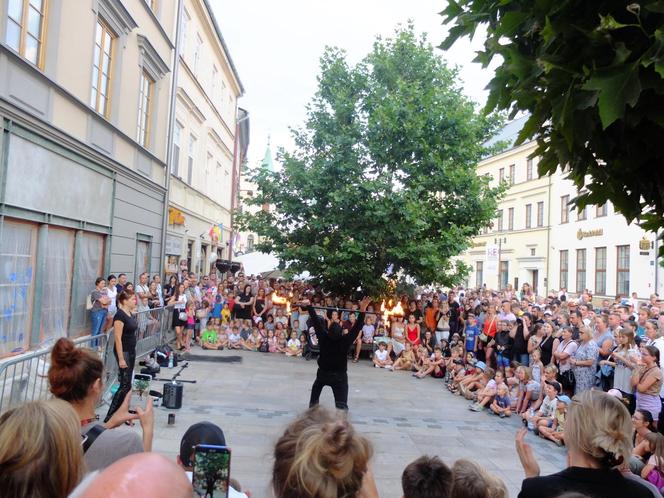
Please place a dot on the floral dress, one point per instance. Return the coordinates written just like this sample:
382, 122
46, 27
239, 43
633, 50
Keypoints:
585, 376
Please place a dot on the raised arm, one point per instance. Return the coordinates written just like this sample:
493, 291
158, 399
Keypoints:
318, 326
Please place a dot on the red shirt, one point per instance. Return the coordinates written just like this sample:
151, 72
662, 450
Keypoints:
489, 328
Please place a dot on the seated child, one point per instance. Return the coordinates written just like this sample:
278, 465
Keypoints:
269, 323
550, 373
528, 389
209, 339
381, 358
294, 346
406, 360
246, 329
555, 433
234, 339
458, 374
366, 337
222, 336
425, 363
282, 343
544, 416
436, 365
253, 342
485, 395
473, 381
501, 405
272, 341
428, 342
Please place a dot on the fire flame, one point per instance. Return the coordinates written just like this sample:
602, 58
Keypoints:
397, 310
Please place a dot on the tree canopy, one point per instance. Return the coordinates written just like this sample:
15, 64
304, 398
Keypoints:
591, 75
382, 177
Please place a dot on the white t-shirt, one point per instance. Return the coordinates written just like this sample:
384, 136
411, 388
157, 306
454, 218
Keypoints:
381, 355
548, 407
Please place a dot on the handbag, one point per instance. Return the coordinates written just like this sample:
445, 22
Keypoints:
567, 379
182, 316
88, 302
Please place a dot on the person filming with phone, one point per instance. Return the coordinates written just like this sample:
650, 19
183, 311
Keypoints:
333, 358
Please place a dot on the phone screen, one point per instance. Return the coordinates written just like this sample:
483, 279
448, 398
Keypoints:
140, 392
212, 470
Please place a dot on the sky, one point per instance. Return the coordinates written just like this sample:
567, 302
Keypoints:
276, 46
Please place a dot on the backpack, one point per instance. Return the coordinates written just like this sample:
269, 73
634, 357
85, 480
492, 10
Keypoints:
162, 353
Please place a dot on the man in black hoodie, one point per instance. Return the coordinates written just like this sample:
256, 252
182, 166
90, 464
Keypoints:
333, 357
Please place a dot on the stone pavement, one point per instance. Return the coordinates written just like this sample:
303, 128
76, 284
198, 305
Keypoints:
404, 418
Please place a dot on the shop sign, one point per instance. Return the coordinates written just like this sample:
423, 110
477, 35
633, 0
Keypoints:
173, 244
584, 234
175, 217
644, 244
479, 244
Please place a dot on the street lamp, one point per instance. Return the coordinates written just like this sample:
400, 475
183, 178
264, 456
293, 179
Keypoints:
500, 241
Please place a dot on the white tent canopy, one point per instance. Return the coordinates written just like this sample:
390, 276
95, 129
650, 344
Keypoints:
257, 262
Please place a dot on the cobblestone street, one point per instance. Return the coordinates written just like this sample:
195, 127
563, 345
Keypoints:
253, 400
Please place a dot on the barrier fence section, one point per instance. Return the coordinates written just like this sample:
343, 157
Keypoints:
24, 378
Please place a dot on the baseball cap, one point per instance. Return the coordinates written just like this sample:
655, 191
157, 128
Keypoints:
615, 393
481, 365
556, 385
548, 312
565, 399
199, 433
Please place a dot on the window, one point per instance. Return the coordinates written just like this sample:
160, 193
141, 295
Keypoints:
622, 280
580, 270
529, 215
503, 274
101, 69
144, 109
564, 209
582, 214
500, 220
501, 175
25, 28
540, 214
250, 243
89, 266
197, 52
510, 219
175, 164
57, 284
190, 161
143, 255
529, 169
600, 211
479, 273
512, 178
600, 271
564, 268
18, 249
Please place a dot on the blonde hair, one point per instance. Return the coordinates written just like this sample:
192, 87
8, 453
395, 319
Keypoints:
320, 456
40, 450
600, 426
585, 333
472, 481
526, 372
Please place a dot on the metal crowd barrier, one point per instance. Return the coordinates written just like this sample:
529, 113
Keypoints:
24, 378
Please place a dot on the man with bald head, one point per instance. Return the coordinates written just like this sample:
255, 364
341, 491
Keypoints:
147, 475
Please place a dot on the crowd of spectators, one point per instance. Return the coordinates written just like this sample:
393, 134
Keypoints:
576, 372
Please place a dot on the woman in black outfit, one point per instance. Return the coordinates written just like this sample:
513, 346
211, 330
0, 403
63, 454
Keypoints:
124, 337
546, 345
169, 289
243, 304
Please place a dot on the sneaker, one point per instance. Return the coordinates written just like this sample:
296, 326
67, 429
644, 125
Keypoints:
502, 414
376, 366
477, 408
389, 367
558, 442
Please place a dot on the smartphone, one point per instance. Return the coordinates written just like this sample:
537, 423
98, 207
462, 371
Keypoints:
212, 470
140, 392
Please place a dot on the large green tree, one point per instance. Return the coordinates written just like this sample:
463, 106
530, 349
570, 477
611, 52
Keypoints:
591, 75
382, 175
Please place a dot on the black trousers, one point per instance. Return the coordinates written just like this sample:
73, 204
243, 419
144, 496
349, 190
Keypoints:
337, 380
124, 377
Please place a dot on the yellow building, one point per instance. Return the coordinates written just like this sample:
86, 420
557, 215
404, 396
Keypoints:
203, 168
85, 90
516, 248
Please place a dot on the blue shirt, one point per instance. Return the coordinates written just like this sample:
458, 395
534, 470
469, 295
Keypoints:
471, 336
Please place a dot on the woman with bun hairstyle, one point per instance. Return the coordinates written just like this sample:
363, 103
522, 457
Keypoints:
40, 451
598, 436
124, 340
75, 376
321, 456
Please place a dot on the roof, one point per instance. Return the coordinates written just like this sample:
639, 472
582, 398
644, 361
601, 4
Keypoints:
509, 132
267, 159
223, 44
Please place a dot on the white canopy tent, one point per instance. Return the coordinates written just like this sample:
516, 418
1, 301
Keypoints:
256, 263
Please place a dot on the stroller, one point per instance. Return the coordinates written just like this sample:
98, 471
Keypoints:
311, 349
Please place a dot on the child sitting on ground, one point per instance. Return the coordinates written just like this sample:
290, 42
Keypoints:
550, 372
457, 375
555, 433
234, 339
209, 338
473, 380
366, 337
222, 336
529, 390
381, 358
501, 405
485, 396
425, 363
436, 365
272, 341
544, 416
294, 346
282, 342
406, 360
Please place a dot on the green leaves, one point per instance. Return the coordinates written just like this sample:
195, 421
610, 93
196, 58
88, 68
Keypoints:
615, 90
591, 76
383, 173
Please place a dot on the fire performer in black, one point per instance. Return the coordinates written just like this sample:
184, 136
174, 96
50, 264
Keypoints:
332, 361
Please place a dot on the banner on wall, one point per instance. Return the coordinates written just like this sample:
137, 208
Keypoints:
491, 258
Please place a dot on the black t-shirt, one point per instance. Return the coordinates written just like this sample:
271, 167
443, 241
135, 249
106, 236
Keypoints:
240, 312
520, 346
128, 330
503, 342
417, 313
594, 483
